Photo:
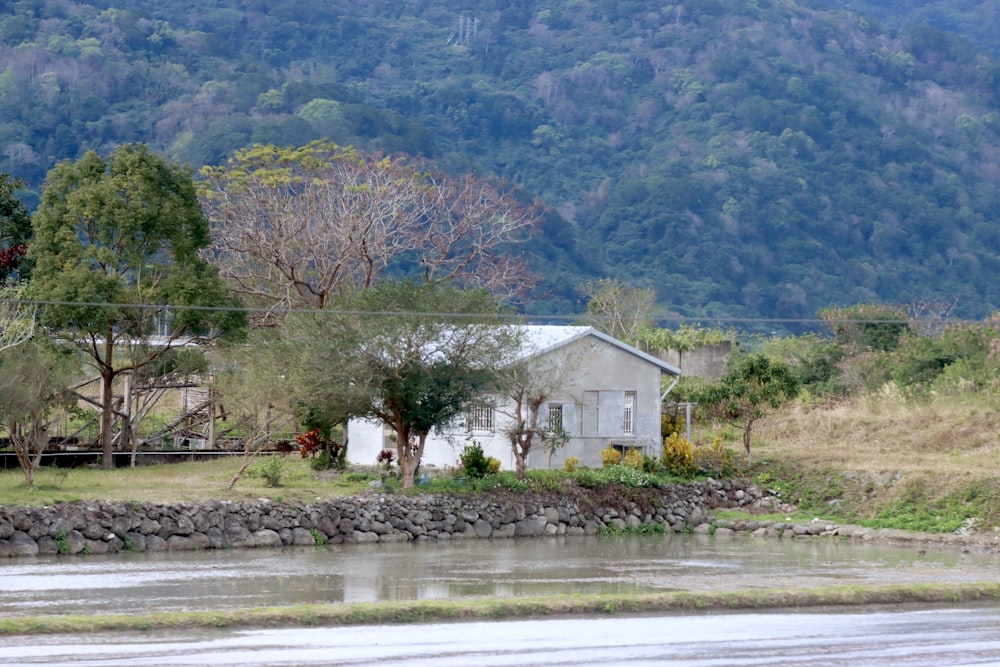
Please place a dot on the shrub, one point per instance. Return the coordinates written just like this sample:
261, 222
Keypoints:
474, 461
270, 470
678, 456
492, 465
385, 458
633, 459
716, 458
323, 461
572, 463
610, 456
333, 455
672, 424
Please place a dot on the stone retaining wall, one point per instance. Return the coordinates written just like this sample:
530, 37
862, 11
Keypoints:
107, 527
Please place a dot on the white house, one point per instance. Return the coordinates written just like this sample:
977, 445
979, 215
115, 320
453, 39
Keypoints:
600, 392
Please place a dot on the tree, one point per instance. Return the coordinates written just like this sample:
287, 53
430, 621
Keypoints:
115, 255
410, 356
254, 388
297, 227
34, 384
869, 326
618, 309
17, 318
15, 228
528, 385
754, 386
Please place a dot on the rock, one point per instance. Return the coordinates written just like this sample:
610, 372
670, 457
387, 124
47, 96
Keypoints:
266, 538
19, 544
303, 538
483, 528
530, 527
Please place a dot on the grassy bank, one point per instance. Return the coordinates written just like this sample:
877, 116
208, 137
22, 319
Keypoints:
931, 466
504, 608
176, 482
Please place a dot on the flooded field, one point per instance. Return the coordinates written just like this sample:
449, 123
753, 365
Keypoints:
231, 579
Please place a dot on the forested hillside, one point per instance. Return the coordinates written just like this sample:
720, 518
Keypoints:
977, 21
757, 158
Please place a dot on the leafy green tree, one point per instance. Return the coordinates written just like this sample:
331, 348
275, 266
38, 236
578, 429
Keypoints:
872, 326
116, 256
35, 382
15, 228
754, 386
410, 356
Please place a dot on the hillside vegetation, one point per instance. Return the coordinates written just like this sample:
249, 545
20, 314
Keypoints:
750, 159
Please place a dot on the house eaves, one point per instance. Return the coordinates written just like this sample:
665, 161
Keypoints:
541, 340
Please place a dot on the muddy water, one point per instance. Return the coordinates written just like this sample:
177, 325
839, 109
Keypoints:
426, 570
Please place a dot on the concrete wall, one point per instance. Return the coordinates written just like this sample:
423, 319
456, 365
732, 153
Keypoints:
707, 362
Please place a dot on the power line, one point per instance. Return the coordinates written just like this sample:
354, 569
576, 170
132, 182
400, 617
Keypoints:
578, 317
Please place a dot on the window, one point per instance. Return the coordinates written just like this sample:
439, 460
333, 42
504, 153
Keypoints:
555, 418
628, 414
480, 419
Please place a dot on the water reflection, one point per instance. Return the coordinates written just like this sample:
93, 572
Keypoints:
438, 570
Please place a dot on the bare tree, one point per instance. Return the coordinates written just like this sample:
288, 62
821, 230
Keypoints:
17, 321
34, 385
252, 384
528, 386
619, 309
295, 227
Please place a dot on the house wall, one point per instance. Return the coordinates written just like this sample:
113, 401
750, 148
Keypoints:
605, 368
591, 366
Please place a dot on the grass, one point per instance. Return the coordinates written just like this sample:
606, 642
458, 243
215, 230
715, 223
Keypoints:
175, 482
886, 462
424, 611
880, 461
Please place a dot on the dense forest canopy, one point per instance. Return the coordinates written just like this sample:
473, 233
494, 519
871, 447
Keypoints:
750, 159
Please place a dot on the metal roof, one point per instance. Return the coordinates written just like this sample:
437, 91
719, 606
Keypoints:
541, 339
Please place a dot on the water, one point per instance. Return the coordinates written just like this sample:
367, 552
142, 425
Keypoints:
920, 636
917, 638
230, 579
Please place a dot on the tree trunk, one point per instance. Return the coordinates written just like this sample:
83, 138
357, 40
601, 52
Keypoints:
747, 434
521, 451
520, 464
107, 402
408, 467
404, 453
107, 419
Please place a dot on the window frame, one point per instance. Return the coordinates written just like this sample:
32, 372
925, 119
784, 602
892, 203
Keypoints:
628, 414
480, 419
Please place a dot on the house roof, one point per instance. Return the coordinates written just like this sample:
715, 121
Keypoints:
541, 339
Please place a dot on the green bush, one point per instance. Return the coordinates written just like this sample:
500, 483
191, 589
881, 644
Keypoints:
616, 474
270, 470
474, 461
